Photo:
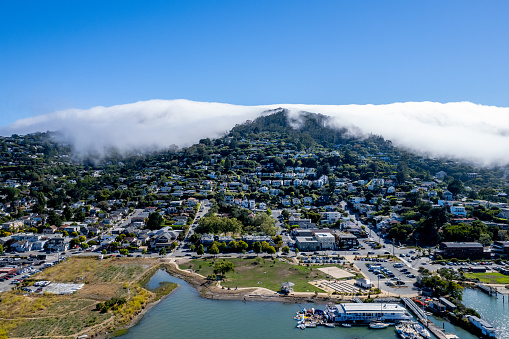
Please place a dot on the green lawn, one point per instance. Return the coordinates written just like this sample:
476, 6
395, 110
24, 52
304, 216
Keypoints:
259, 272
489, 278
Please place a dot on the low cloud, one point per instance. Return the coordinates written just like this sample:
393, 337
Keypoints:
460, 130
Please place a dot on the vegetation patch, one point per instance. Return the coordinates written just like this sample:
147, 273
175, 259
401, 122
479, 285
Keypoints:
489, 278
110, 298
261, 272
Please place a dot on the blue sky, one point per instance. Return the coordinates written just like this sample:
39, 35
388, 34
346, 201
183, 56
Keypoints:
56, 55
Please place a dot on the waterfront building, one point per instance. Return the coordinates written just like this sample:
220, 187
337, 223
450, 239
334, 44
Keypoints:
368, 312
484, 326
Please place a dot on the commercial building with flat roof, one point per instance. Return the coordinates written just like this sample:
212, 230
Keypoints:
462, 250
368, 312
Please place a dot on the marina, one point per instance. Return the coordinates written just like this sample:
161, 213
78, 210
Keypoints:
361, 314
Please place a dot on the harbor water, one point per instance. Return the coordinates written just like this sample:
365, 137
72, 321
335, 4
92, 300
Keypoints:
185, 315
493, 309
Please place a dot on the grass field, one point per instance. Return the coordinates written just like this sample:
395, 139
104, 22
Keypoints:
259, 272
50, 315
489, 278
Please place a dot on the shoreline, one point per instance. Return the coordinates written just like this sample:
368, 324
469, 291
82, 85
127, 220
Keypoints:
137, 318
210, 290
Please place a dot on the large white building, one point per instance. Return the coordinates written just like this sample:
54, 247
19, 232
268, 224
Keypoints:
365, 313
326, 240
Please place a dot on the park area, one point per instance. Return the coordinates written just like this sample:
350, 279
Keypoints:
116, 282
489, 278
262, 272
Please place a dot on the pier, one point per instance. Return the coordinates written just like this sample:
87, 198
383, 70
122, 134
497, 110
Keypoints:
423, 319
487, 289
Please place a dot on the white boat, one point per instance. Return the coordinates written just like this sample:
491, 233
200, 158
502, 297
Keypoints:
311, 324
302, 326
346, 325
329, 325
378, 325
421, 330
406, 331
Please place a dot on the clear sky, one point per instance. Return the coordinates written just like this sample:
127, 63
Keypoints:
56, 55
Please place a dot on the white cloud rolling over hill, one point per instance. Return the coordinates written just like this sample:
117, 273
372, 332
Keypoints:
461, 130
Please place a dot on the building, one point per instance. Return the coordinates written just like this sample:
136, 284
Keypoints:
486, 329
346, 240
12, 226
448, 305
364, 283
307, 244
459, 211
326, 241
437, 306
462, 250
251, 239
362, 313
501, 247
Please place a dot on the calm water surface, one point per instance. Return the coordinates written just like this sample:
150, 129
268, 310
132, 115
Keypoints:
492, 309
185, 315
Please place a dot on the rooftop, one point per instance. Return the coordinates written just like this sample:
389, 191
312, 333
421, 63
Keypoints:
370, 307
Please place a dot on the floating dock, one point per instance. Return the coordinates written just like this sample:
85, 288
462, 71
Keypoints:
423, 319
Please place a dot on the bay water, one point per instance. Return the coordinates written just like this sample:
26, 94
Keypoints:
184, 314
493, 309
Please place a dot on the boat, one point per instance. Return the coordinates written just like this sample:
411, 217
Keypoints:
378, 325
329, 325
311, 324
407, 331
421, 330
346, 325
302, 326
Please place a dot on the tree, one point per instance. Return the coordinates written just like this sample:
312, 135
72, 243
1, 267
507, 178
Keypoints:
124, 251
162, 251
271, 250
54, 219
67, 213
74, 242
82, 238
278, 240
456, 187
144, 251
286, 249
222, 267
84, 245
200, 250
155, 221
242, 245
104, 251
213, 249
1, 249
257, 247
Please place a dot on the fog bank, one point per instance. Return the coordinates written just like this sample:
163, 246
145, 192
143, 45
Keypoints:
461, 130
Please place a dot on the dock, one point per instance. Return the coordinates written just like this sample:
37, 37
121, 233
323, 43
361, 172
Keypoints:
423, 319
487, 289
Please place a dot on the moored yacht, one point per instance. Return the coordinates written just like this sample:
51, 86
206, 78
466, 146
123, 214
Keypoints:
378, 324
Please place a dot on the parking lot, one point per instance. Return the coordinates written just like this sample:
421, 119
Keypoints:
8, 281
